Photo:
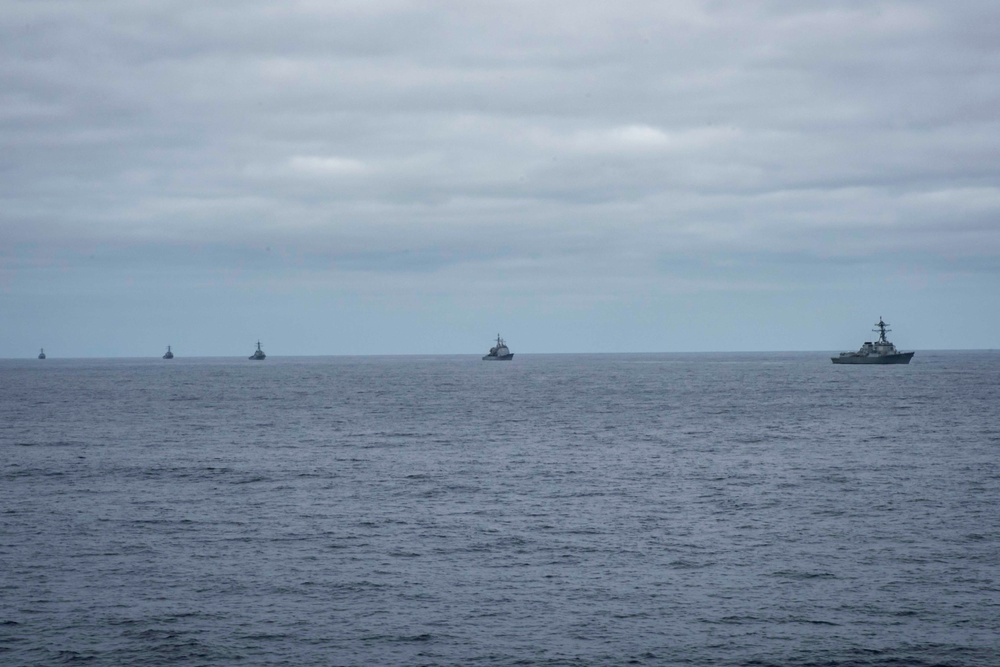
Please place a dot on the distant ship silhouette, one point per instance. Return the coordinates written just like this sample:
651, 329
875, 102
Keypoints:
499, 352
879, 352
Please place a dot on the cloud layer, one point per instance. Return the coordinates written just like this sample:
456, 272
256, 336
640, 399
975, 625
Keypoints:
552, 153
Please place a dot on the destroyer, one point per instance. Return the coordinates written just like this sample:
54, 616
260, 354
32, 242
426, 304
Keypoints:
169, 354
41, 355
499, 352
258, 355
879, 352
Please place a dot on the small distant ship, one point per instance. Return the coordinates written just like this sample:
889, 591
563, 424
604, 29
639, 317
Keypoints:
258, 355
169, 354
499, 352
879, 352
41, 355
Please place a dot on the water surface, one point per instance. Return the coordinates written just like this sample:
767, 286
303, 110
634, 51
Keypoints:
757, 509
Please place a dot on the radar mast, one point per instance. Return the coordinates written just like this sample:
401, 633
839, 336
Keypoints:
881, 330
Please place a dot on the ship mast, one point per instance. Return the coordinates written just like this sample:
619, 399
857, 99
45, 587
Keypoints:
881, 330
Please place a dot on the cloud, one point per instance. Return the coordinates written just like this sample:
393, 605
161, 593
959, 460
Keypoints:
312, 165
631, 140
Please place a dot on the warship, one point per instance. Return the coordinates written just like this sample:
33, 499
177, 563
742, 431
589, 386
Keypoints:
879, 352
169, 354
41, 355
258, 355
499, 352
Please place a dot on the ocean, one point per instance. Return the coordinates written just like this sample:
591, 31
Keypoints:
557, 510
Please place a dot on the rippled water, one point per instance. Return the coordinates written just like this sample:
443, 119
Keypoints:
765, 509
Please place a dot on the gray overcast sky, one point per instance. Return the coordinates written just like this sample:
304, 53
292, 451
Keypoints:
413, 177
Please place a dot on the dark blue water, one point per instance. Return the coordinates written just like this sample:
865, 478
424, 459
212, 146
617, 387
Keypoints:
767, 509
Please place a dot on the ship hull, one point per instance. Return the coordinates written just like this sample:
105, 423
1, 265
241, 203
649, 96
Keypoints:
502, 357
878, 359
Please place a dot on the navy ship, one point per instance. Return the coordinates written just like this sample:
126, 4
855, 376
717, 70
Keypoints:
169, 354
41, 355
258, 355
879, 352
499, 352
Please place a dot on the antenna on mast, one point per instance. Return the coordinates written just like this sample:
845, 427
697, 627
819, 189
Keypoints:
881, 330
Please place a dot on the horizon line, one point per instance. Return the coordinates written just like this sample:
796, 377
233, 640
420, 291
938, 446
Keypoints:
272, 356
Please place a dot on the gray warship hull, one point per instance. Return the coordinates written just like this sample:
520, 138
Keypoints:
901, 358
501, 357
